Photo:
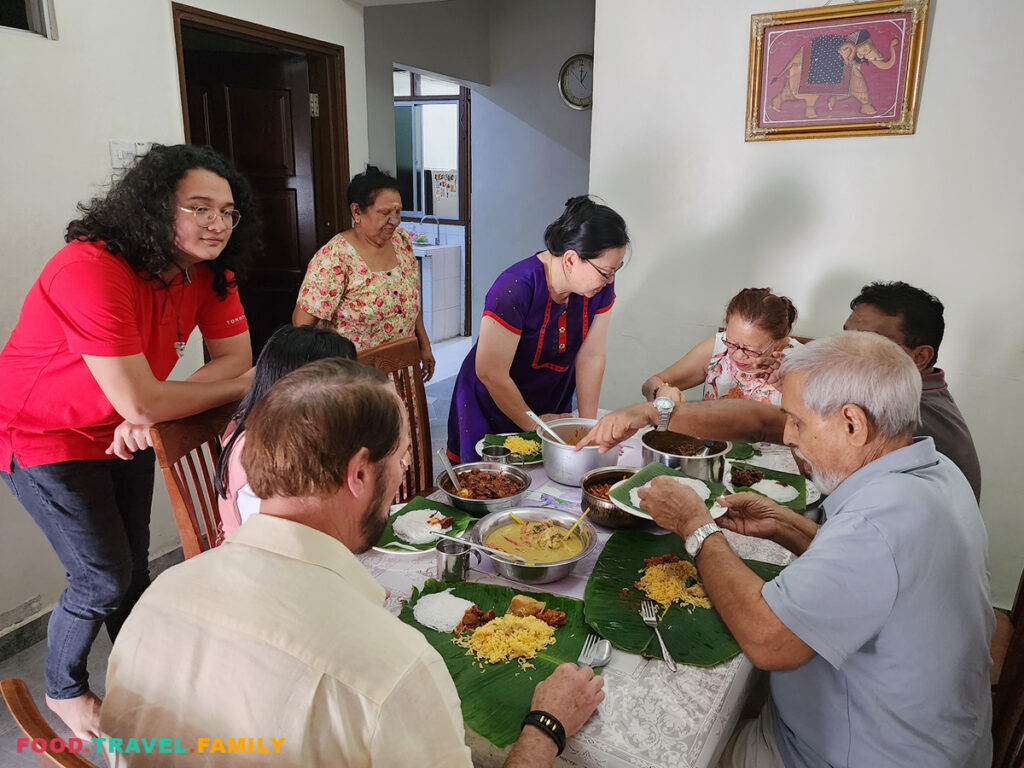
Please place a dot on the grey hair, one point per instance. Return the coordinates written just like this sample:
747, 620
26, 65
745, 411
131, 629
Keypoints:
864, 369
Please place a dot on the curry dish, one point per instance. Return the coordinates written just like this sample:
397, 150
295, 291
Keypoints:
539, 541
477, 484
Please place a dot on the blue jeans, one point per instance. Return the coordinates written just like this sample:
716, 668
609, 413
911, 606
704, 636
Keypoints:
95, 515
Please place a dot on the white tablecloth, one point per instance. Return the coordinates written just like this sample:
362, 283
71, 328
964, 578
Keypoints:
650, 717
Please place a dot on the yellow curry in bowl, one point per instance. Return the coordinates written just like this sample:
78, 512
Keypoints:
539, 541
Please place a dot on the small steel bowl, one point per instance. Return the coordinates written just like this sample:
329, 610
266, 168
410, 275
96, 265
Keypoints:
603, 511
542, 573
709, 468
563, 463
481, 507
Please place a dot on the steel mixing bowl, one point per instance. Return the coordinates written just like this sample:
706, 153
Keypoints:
563, 463
541, 573
481, 507
709, 468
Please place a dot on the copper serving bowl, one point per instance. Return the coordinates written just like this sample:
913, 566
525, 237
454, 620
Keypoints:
603, 511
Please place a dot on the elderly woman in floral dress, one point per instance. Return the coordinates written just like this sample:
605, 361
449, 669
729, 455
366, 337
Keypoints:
364, 283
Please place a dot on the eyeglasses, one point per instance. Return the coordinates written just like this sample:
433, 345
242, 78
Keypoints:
602, 273
206, 216
733, 347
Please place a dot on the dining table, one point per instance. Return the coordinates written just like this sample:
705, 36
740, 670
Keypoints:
651, 717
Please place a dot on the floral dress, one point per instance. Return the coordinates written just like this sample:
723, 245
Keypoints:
369, 308
725, 379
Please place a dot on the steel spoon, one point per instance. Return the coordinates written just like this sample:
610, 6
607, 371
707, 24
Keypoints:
456, 485
492, 550
543, 425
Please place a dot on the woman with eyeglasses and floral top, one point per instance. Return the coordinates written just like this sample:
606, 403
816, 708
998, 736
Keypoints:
737, 362
542, 336
84, 376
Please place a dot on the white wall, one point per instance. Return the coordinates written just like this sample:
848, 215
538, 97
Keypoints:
816, 219
530, 151
449, 38
112, 74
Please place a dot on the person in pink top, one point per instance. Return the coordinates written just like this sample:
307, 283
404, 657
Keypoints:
289, 348
735, 363
85, 375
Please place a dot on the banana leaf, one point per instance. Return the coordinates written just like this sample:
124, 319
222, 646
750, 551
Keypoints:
528, 459
619, 493
742, 451
496, 698
693, 635
460, 521
797, 481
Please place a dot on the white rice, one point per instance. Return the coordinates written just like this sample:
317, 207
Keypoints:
415, 528
700, 487
441, 611
775, 490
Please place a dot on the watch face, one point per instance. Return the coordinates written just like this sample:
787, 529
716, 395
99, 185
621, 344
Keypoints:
692, 544
576, 81
664, 404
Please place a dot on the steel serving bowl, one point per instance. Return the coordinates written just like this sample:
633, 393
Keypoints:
709, 468
481, 507
542, 573
603, 511
563, 463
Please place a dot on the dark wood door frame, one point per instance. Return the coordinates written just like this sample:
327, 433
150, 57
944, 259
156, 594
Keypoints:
327, 78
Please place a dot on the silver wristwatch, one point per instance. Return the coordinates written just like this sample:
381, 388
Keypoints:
696, 539
665, 406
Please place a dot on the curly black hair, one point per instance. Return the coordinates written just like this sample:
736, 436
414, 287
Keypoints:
136, 217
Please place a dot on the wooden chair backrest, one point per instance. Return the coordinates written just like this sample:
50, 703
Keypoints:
401, 360
34, 726
1008, 696
187, 450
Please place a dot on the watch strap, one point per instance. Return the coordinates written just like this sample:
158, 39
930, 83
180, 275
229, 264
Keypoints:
549, 724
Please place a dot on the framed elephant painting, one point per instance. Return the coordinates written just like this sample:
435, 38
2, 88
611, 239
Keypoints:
840, 70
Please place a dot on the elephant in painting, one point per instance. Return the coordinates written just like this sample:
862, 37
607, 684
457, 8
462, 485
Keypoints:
833, 68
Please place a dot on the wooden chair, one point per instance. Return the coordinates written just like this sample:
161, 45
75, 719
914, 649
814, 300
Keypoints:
187, 450
401, 361
34, 726
1008, 686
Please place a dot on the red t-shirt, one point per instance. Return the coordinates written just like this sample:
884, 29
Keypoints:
87, 301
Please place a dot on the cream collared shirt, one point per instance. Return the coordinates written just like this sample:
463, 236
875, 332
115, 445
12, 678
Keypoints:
280, 633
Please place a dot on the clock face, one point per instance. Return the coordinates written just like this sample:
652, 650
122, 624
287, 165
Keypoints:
576, 81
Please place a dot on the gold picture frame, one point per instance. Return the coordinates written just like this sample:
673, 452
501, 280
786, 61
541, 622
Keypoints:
840, 70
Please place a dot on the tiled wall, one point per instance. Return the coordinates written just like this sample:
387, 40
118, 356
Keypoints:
443, 281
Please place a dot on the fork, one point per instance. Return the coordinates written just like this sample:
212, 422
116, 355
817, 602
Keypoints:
649, 614
586, 655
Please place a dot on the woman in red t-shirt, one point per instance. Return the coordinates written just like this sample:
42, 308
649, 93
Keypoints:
85, 372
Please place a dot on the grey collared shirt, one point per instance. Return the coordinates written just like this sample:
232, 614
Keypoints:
893, 596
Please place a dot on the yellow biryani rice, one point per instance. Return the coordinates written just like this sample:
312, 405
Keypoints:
522, 446
510, 637
666, 584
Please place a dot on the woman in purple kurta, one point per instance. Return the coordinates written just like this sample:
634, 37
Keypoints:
542, 336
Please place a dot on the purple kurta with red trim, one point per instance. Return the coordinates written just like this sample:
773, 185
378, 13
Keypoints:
543, 367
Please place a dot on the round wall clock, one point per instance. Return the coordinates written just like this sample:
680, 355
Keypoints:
576, 81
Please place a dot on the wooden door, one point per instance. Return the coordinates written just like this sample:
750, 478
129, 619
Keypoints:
254, 108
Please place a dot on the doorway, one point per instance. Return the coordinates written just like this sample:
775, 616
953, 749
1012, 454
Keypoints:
274, 104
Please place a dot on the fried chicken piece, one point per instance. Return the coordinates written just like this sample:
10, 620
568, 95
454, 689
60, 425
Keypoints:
473, 618
552, 617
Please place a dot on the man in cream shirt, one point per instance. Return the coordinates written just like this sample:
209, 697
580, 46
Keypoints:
280, 633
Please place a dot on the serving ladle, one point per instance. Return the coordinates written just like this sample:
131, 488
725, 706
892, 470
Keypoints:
456, 485
543, 425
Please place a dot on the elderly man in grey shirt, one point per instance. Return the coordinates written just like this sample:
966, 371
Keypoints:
878, 633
